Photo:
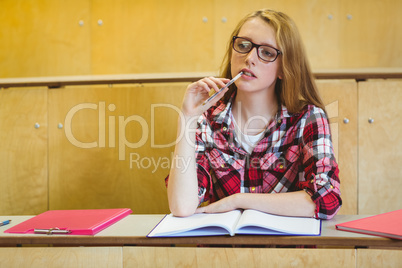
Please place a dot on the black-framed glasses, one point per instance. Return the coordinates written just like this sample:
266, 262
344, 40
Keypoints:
265, 53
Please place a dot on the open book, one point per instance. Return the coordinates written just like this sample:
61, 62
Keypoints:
251, 222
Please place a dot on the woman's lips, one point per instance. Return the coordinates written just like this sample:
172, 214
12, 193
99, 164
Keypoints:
248, 73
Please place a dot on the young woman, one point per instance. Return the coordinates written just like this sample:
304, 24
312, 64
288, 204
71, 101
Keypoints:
265, 142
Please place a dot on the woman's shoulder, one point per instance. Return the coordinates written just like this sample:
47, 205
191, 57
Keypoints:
311, 110
308, 114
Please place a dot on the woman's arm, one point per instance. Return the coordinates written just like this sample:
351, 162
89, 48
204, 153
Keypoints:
183, 181
297, 203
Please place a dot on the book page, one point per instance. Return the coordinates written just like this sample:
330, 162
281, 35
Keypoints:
197, 225
256, 222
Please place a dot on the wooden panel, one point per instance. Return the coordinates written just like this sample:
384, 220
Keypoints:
364, 42
43, 38
234, 257
145, 36
180, 36
61, 257
227, 16
378, 258
115, 146
340, 98
318, 23
380, 146
23, 154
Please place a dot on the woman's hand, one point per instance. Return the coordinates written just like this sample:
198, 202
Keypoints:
224, 205
198, 92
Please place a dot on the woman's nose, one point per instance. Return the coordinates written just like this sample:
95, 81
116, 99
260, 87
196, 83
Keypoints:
252, 56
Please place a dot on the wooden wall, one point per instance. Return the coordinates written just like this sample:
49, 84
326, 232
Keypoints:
80, 37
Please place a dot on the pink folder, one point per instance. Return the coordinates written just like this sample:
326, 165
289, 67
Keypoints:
74, 222
386, 225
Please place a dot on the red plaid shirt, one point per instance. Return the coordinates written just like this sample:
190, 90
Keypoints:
295, 153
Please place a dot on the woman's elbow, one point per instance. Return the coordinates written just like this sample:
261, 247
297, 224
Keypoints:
182, 211
183, 208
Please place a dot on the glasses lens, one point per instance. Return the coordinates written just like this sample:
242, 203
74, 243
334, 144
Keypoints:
267, 53
242, 45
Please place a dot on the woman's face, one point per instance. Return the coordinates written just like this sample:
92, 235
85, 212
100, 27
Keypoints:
257, 74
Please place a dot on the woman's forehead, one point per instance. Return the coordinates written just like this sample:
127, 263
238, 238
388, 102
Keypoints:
258, 31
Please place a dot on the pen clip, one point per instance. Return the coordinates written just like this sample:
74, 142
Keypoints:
51, 231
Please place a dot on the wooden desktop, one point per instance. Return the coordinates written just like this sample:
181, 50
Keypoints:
125, 244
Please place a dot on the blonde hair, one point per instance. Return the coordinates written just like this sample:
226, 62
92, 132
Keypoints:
297, 87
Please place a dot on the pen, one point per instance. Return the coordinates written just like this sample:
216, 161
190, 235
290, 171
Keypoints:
5, 222
51, 231
227, 85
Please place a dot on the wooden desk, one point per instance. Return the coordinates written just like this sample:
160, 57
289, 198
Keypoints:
133, 229
125, 244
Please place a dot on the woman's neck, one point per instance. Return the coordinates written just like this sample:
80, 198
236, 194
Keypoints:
254, 111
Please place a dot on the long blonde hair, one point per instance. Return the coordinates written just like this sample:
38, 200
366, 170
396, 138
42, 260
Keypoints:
297, 86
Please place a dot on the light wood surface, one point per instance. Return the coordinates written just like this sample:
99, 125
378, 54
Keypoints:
152, 36
51, 38
23, 153
340, 99
362, 36
61, 257
169, 77
107, 79
235, 257
133, 230
43, 37
378, 258
115, 154
380, 154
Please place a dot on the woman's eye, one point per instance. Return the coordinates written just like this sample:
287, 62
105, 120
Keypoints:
267, 53
244, 45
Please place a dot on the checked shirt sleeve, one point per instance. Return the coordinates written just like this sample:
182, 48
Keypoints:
321, 171
202, 137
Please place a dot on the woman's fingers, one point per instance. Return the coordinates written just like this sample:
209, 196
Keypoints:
200, 91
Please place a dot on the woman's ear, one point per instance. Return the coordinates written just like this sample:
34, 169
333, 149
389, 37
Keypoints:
280, 73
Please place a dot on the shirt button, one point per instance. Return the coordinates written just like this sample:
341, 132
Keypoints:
279, 121
224, 128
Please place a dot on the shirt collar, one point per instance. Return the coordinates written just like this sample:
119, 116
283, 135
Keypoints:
221, 112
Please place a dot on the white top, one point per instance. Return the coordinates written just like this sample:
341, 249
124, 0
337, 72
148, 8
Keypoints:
248, 142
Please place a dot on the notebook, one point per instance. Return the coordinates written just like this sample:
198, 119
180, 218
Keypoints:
386, 225
74, 222
250, 222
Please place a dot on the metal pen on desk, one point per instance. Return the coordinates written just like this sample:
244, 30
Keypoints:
226, 86
51, 231
5, 222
